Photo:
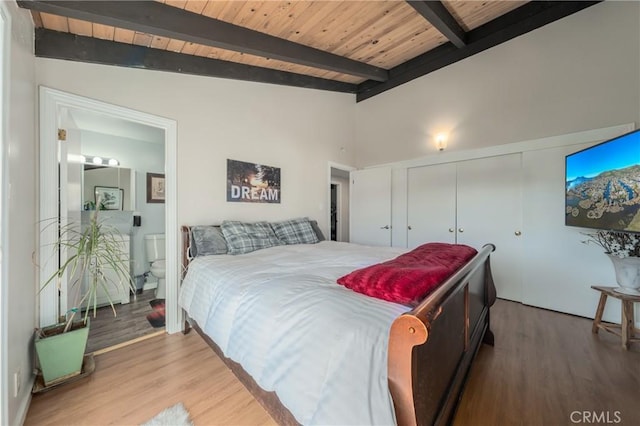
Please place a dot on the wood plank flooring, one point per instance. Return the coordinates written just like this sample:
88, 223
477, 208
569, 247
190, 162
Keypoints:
133, 384
544, 367
129, 324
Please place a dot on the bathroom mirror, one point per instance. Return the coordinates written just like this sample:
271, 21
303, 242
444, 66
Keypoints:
116, 185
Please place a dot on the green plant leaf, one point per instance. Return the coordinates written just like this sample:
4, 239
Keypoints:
88, 251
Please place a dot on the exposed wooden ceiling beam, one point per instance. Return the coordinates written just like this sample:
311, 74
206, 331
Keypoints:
441, 19
57, 45
528, 17
159, 19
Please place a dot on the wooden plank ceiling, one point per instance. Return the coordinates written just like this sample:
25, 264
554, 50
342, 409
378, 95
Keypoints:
363, 47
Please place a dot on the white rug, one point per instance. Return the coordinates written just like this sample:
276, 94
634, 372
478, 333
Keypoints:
176, 415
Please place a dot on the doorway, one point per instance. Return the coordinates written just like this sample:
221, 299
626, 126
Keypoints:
102, 156
53, 103
335, 209
339, 184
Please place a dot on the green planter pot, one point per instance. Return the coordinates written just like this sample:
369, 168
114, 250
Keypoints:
60, 354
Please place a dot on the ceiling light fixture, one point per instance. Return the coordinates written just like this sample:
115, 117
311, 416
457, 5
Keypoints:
91, 159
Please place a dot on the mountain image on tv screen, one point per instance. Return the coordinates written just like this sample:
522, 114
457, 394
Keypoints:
603, 185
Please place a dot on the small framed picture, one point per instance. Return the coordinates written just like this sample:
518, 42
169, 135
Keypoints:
155, 188
108, 197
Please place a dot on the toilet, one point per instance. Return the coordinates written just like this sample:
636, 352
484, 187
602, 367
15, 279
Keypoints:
154, 245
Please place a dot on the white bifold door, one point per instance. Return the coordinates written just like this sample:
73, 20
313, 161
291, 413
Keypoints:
370, 207
472, 202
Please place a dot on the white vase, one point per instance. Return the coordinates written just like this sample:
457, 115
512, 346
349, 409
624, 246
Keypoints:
627, 274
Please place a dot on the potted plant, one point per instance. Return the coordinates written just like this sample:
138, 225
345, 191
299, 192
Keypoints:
623, 249
92, 260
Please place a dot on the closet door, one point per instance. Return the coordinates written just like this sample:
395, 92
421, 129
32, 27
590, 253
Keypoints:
489, 206
370, 207
431, 201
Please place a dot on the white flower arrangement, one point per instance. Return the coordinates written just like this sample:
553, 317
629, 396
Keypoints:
621, 244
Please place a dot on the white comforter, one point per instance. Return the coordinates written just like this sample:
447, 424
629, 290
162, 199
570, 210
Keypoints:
280, 314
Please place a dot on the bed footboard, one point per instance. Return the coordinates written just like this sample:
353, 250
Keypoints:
431, 347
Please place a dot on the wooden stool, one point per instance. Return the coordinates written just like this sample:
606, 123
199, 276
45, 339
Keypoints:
626, 329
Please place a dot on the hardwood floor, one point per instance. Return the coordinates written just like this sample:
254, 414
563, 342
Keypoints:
129, 324
133, 384
546, 368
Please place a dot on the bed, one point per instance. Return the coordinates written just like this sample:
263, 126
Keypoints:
315, 352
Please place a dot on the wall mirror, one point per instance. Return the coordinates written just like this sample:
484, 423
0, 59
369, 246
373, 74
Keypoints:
113, 186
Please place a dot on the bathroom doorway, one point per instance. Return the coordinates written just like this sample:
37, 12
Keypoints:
106, 156
58, 110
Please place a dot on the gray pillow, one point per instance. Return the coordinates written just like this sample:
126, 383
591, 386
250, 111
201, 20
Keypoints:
295, 231
317, 230
207, 240
247, 237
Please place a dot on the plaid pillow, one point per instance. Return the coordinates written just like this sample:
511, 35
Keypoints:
317, 230
207, 240
247, 237
295, 231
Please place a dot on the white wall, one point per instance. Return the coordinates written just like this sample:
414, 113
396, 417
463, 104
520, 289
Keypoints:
21, 161
142, 157
298, 130
575, 74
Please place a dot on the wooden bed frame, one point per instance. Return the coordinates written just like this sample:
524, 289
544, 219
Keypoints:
431, 347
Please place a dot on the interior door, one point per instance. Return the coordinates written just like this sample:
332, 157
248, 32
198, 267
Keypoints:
490, 211
370, 207
431, 200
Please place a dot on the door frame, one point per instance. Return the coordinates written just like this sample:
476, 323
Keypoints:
52, 101
5, 46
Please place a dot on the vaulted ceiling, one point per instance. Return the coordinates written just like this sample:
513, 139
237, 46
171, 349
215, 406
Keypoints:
361, 47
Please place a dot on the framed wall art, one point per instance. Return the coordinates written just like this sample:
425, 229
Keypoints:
155, 188
108, 197
252, 183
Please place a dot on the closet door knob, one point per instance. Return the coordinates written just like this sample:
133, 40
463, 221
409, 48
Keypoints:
460, 229
452, 230
409, 227
384, 227
518, 233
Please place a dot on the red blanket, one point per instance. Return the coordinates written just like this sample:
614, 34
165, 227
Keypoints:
408, 278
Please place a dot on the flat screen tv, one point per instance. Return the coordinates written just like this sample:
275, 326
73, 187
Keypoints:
603, 185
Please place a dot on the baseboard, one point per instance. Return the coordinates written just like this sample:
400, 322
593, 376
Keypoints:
21, 415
